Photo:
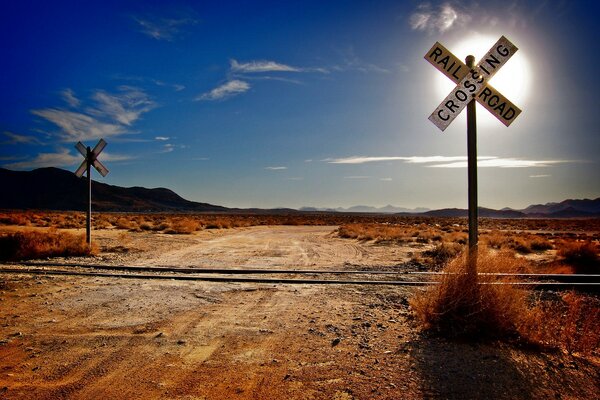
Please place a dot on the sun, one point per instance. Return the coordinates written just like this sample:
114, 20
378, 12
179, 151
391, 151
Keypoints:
513, 80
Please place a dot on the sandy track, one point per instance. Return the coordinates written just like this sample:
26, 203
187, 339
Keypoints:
83, 338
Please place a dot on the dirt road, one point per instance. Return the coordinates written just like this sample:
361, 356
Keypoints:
86, 338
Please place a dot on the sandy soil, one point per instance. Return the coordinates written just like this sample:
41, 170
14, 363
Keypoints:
86, 338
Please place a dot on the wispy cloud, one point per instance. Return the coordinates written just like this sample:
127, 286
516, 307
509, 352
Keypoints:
411, 159
451, 161
163, 28
124, 107
352, 62
162, 138
68, 96
112, 115
261, 66
540, 176
276, 168
385, 179
62, 158
77, 126
14, 138
438, 19
503, 163
226, 90
357, 177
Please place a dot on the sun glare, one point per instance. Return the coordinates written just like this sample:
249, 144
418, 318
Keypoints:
512, 80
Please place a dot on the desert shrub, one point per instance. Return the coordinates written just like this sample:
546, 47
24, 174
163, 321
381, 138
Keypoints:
570, 323
541, 244
15, 219
442, 253
477, 308
184, 226
520, 245
30, 245
123, 223
582, 256
465, 305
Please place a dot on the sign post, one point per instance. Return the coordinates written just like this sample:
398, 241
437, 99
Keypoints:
472, 85
91, 160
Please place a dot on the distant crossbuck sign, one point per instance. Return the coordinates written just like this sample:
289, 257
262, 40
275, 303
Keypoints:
91, 158
472, 83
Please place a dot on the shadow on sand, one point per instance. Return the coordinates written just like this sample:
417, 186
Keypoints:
455, 370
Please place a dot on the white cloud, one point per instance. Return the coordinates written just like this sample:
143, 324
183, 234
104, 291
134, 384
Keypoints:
385, 179
15, 138
163, 28
275, 168
228, 89
261, 66
110, 157
411, 159
112, 115
540, 176
77, 126
451, 161
60, 159
68, 96
162, 138
125, 107
503, 163
356, 177
440, 19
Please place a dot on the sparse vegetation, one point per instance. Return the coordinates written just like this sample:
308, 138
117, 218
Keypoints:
462, 306
581, 256
467, 306
30, 244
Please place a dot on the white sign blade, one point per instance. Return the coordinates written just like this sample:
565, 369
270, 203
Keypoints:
473, 84
99, 147
457, 100
100, 168
496, 57
82, 149
81, 169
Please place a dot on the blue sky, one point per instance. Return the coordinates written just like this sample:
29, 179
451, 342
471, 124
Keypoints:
266, 104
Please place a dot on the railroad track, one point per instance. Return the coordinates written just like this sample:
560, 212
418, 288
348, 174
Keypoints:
293, 276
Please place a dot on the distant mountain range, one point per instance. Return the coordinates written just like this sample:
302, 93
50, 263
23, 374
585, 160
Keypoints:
57, 189
389, 209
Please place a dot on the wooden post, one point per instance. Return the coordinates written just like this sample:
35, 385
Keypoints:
472, 177
88, 228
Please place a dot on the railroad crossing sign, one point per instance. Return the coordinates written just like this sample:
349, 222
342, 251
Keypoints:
91, 160
472, 83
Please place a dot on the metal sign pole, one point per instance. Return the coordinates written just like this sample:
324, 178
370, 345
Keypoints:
472, 177
88, 228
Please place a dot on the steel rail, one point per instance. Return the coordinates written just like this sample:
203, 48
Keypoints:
588, 278
538, 285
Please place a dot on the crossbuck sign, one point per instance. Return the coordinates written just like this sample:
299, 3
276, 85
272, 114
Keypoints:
91, 160
472, 83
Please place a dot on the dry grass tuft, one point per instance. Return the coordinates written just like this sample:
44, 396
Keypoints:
443, 253
460, 307
30, 245
581, 256
183, 226
570, 323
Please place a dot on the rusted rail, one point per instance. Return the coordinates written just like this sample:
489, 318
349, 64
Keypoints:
407, 278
